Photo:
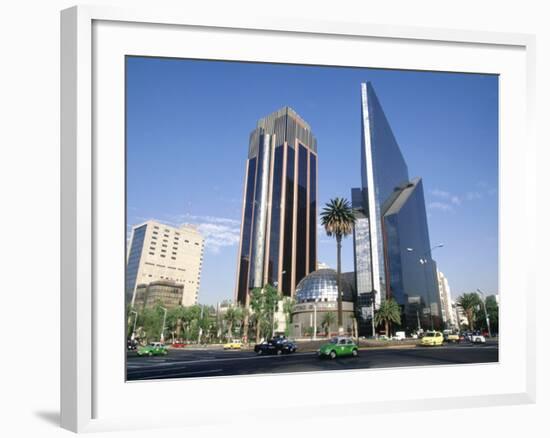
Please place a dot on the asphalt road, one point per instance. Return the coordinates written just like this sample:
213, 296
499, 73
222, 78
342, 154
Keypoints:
210, 363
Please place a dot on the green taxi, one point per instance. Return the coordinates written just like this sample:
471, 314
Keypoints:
152, 349
338, 347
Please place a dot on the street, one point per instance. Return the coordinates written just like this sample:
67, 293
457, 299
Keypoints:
209, 363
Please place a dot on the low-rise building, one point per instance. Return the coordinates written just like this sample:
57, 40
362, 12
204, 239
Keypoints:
166, 293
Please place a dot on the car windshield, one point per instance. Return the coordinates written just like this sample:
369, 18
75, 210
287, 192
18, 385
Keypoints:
429, 335
334, 341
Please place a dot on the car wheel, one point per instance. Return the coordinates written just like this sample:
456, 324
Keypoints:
150, 354
354, 353
260, 352
332, 355
279, 352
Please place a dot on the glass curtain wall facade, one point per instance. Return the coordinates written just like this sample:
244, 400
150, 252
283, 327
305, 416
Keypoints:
391, 217
279, 220
413, 273
134, 258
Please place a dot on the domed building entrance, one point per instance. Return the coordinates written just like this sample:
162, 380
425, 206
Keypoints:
315, 313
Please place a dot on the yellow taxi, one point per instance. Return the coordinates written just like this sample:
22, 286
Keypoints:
234, 344
432, 338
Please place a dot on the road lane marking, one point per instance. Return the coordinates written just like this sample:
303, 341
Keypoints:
179, 374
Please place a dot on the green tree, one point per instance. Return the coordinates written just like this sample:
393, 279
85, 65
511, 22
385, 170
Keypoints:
470, 303
492, 312
338, 219
151, 320
263, 302
328, 319
233, 316
388, 312
175, 319
288, 308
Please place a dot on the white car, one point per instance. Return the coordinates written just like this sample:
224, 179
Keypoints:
477, 339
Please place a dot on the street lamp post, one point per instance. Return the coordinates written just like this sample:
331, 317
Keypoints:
135, 321
485, 310
163, 324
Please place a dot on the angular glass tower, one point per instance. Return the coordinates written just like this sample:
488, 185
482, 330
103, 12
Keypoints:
279, 218
391, 240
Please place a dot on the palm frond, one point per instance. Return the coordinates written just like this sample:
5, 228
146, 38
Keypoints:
338, 217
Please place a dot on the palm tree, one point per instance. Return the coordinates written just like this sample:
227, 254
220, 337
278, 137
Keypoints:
387, 313
338, 219
469, 302
327, 321
288, 307
232, 316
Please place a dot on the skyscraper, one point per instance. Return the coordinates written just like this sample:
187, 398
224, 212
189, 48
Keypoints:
161, 253
278, 229
391, 241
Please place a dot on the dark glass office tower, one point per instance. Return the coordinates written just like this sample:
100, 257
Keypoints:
391, 240
279, 221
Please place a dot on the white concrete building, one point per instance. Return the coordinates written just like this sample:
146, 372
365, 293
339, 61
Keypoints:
160, 252
447, 313
459, 314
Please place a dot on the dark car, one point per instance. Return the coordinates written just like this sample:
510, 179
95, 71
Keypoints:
277, 345
132, 344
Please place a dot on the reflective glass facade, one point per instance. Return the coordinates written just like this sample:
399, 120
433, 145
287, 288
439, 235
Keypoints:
301, 219
320, 286
312, 212
134, 257
275, 233
244, 259
280, 203
391, 217
413, 274
289, 220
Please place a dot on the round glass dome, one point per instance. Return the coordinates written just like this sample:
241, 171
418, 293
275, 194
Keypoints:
321, 285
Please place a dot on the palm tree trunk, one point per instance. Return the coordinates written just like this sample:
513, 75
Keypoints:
338, 283
387, 329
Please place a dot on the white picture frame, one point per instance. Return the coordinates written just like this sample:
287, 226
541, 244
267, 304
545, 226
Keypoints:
93, 38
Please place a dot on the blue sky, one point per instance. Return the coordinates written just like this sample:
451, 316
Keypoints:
188, 124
